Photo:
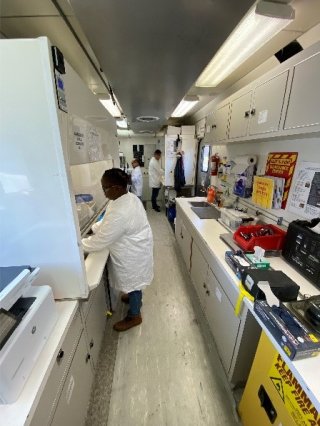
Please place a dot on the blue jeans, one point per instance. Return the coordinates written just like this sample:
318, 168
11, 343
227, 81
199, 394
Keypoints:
155, 193
135, 298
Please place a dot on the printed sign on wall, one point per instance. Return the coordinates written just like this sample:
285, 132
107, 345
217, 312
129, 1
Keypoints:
282, 164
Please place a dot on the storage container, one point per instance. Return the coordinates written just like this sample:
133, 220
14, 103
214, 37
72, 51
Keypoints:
249, 236
233, 218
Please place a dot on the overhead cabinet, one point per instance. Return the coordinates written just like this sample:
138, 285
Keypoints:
220, 124
239, 115
267, 105
304, 101
284, 102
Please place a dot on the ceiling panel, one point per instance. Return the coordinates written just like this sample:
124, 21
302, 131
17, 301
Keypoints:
152, 52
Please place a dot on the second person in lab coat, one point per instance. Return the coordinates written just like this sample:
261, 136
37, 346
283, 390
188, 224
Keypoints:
136, 178
126, 233
155, 177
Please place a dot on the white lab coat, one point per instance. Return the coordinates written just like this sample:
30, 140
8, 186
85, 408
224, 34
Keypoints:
155, 173
136, 181
126, 232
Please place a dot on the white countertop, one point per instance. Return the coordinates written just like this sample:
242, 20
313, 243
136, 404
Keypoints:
95, 263
16, 414
307, 371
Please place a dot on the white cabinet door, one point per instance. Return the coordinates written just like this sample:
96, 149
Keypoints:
220, 125
74, 398
96, 322
199, 270
240, 115
267, 105
223, 323
304, 101
184, 241
50, 394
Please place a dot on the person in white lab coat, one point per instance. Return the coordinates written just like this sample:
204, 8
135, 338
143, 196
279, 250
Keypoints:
126, 233
136, 178
155, 176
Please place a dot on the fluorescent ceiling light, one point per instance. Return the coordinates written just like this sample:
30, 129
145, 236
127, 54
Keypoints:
185, 105
122, 124
253, 31
112, 108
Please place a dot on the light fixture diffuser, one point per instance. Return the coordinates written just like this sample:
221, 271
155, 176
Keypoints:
109, 105
122, 124
185, 105
253, 31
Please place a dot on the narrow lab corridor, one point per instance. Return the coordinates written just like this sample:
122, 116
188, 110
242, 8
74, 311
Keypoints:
164, 371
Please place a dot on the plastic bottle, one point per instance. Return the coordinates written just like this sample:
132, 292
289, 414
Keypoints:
211, 192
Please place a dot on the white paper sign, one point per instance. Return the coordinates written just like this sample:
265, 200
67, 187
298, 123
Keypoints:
263, 116
305, 193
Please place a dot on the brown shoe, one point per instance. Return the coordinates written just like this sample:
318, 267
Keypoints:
125, 298
127, 322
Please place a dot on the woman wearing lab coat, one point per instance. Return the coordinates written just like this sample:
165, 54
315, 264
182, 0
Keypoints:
136, 178
155, 177
126, 233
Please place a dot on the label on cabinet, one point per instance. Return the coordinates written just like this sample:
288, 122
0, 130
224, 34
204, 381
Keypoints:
263, 116
218, 294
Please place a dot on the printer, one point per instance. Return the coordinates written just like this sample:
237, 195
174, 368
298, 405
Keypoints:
27, 317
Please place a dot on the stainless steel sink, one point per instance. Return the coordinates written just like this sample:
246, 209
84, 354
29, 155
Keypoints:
199, 204
208, 212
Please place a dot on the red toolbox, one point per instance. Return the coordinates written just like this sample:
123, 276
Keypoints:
269, 237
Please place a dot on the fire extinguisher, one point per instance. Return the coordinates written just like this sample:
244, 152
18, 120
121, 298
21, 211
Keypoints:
215, 160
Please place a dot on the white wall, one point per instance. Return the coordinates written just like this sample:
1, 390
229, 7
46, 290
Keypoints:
150, 145
85, 105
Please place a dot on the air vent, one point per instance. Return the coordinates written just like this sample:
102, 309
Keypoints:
147, 118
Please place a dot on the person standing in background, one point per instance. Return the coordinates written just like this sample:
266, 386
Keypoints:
155, 175
136, 179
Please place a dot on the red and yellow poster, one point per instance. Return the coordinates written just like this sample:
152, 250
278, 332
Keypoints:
282, 164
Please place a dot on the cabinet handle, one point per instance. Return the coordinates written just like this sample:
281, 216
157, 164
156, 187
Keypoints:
60, 355
91, 344
204, 285
87, 358
181, 236
214, 126
208, 292
253, 111
246, 114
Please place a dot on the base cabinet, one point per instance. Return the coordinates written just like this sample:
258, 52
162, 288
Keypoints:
50, 396
95, 323
184, 241
235, 337
223, 323
73, 403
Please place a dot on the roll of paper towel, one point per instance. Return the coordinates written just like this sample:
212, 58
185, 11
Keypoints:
242, 162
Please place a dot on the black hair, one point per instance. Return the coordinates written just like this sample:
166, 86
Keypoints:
116, 177
137, 160
157, 151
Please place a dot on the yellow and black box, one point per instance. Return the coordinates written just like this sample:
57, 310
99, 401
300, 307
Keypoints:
273, 395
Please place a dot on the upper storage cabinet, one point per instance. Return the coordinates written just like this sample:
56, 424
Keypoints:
267, 105
304, 101
239, 115
221, 121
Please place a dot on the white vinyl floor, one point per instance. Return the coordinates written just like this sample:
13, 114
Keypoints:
164, 372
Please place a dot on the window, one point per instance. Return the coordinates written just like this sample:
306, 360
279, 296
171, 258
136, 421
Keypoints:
205, 153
